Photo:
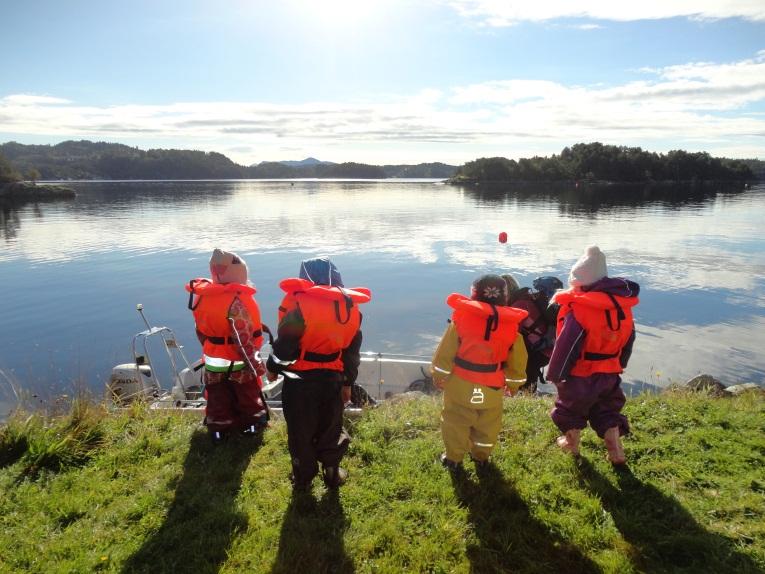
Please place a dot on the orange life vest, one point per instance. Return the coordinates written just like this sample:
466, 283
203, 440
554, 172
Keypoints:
607, 322
332, 319
210, 303
486, 333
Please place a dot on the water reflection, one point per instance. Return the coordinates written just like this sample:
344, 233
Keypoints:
582, 199
74, 271
9, 221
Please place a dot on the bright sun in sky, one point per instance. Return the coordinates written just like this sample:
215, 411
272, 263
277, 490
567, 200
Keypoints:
324, 14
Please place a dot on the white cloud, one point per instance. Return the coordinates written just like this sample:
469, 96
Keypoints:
700, 105
499, 13
31, 100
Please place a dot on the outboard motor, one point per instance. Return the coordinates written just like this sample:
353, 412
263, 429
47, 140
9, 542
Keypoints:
131, 381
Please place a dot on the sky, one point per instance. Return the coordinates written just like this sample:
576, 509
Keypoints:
386, 81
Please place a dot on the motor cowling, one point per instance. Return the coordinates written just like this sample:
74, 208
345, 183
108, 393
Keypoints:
130, 382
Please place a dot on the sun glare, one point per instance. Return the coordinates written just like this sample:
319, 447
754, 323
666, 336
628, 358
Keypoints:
334, 13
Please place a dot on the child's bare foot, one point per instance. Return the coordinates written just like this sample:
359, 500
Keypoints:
569, 441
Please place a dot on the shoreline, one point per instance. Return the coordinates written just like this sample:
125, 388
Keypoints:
598, 184
23, 191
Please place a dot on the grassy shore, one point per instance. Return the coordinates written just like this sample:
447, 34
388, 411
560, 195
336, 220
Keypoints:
142, 491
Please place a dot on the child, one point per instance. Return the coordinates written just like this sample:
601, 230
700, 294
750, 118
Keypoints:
228, 327
594, 342
479, 354
538, 329
317, 351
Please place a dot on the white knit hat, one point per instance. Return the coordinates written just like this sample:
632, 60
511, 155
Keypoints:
227, 267
589, 268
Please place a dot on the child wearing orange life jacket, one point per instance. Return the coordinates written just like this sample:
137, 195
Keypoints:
317, 350
479, 355
228, 327
594, 341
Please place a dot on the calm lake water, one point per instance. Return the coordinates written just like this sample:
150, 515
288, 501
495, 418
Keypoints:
73, 271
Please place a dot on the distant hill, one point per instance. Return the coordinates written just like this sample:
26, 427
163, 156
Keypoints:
307, 162
100, 160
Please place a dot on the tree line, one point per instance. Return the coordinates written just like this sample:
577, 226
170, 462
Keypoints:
101, 160
599, 162
581, 162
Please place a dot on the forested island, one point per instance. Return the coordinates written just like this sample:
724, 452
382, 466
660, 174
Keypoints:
13, 188
100, 160
599, 163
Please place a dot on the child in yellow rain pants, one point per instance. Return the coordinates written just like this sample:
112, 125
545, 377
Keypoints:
479, 355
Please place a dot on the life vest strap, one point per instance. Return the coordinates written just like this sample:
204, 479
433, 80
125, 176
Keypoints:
321, 357
620, 316
231, 340
348, 307
477, 367
191, 296
600, 356
492, 323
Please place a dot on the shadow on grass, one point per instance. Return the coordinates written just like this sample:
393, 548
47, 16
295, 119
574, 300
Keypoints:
664, 536
203, 519
510, 539
312, 536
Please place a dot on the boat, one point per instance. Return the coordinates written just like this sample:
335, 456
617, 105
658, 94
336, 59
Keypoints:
381, 375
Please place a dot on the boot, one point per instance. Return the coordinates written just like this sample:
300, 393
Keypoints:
479, 463
614, 446
218, 437
449, 464
300, 486
569, 441
335, 476
253, 430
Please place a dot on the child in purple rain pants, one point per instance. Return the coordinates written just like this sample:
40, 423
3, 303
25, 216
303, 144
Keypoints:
595, 333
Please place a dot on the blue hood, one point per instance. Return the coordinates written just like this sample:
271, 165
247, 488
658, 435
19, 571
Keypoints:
321, 271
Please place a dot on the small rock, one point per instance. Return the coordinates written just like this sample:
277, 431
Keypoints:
706, 383
735, 390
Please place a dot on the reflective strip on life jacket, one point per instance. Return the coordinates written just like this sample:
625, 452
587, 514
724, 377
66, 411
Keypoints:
278, 361
218, 365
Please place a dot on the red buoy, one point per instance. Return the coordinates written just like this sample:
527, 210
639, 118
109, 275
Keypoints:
503, 237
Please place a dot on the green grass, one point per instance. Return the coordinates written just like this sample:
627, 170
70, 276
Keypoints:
142, 491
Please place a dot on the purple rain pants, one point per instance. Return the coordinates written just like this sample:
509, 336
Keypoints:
597, 399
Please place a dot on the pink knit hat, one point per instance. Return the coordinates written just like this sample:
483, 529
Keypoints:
227, 267
589, 268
